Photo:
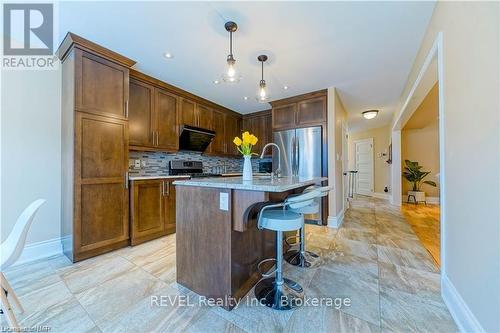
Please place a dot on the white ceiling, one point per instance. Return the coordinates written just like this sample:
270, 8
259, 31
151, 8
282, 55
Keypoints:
364, 49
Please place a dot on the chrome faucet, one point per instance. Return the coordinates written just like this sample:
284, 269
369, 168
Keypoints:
275, 173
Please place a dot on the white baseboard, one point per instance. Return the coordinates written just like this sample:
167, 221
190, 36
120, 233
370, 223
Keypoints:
464, 318
429, 200
336, 221
384, 196
40, 250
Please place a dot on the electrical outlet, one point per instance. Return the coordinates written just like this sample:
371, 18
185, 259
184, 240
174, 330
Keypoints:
224, 201
137, 164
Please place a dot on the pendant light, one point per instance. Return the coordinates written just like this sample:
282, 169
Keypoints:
369, 114
230, 74
262, 94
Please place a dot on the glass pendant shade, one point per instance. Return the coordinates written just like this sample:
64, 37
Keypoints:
231, 74
263, 93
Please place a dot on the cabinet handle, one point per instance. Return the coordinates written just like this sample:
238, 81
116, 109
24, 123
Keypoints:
163, 188
126, 109
126, 179
157, 138
168, 188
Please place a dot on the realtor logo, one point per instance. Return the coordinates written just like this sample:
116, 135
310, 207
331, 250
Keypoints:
28, 29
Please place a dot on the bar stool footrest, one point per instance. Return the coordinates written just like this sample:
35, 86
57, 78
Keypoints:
263, 274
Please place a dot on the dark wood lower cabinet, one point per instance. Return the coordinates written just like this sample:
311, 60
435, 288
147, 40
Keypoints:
152, 209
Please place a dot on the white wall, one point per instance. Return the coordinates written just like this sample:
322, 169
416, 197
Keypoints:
31, 150
336, 118
470, 87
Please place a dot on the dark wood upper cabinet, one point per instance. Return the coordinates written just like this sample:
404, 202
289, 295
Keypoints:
232, 129
300, 111
204, 115
152, 209
101, 85
311, 111
188, 112
141, 115
218, 143
259, 124
166, 112
284, 116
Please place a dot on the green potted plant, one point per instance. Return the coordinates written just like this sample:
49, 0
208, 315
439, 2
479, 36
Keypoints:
415, 175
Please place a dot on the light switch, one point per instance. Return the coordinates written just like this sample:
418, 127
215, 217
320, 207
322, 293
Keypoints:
137, 164
224, 201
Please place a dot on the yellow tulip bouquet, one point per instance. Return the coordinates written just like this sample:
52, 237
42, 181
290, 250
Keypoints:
246, 143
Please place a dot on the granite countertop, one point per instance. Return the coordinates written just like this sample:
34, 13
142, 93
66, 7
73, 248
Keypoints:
157, 177
263, 184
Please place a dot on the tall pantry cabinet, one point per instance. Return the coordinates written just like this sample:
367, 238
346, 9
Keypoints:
95, 91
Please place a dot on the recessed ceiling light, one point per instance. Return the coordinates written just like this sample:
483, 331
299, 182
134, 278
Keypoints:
370, 114
245, 98
216, 81
285, 87
168, 55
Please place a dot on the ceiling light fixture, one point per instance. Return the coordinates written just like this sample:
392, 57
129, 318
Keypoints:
168, 55
262, 95
285, 87
216, 81
245, 98
231, 75
370, 114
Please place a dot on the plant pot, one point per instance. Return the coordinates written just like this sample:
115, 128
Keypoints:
247, 168
418, 195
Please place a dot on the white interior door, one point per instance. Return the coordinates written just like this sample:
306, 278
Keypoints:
364, 165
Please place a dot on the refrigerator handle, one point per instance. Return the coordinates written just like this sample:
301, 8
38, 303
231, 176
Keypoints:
294, 156
297, 156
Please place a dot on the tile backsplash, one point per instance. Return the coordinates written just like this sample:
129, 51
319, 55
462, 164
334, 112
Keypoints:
156, 163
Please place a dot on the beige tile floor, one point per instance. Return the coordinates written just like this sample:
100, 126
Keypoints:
374, 259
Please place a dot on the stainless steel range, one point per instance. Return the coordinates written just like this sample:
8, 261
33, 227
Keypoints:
189, 168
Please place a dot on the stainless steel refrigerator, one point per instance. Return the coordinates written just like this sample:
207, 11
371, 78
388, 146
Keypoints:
301, 156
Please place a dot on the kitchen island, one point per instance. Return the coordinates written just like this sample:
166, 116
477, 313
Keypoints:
217, 239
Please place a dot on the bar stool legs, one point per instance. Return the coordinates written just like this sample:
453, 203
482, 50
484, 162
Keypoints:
301, 257
277, 292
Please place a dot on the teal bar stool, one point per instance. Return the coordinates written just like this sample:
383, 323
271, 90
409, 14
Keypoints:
301, 257
278, 292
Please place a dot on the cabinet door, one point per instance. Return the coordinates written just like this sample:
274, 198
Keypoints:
101, 185
311, 111
166, 120
188, 112
169, 207
101, 86
284, 116
141, 122
268, 129
204, 117
232, 129
218, 143
148, 217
